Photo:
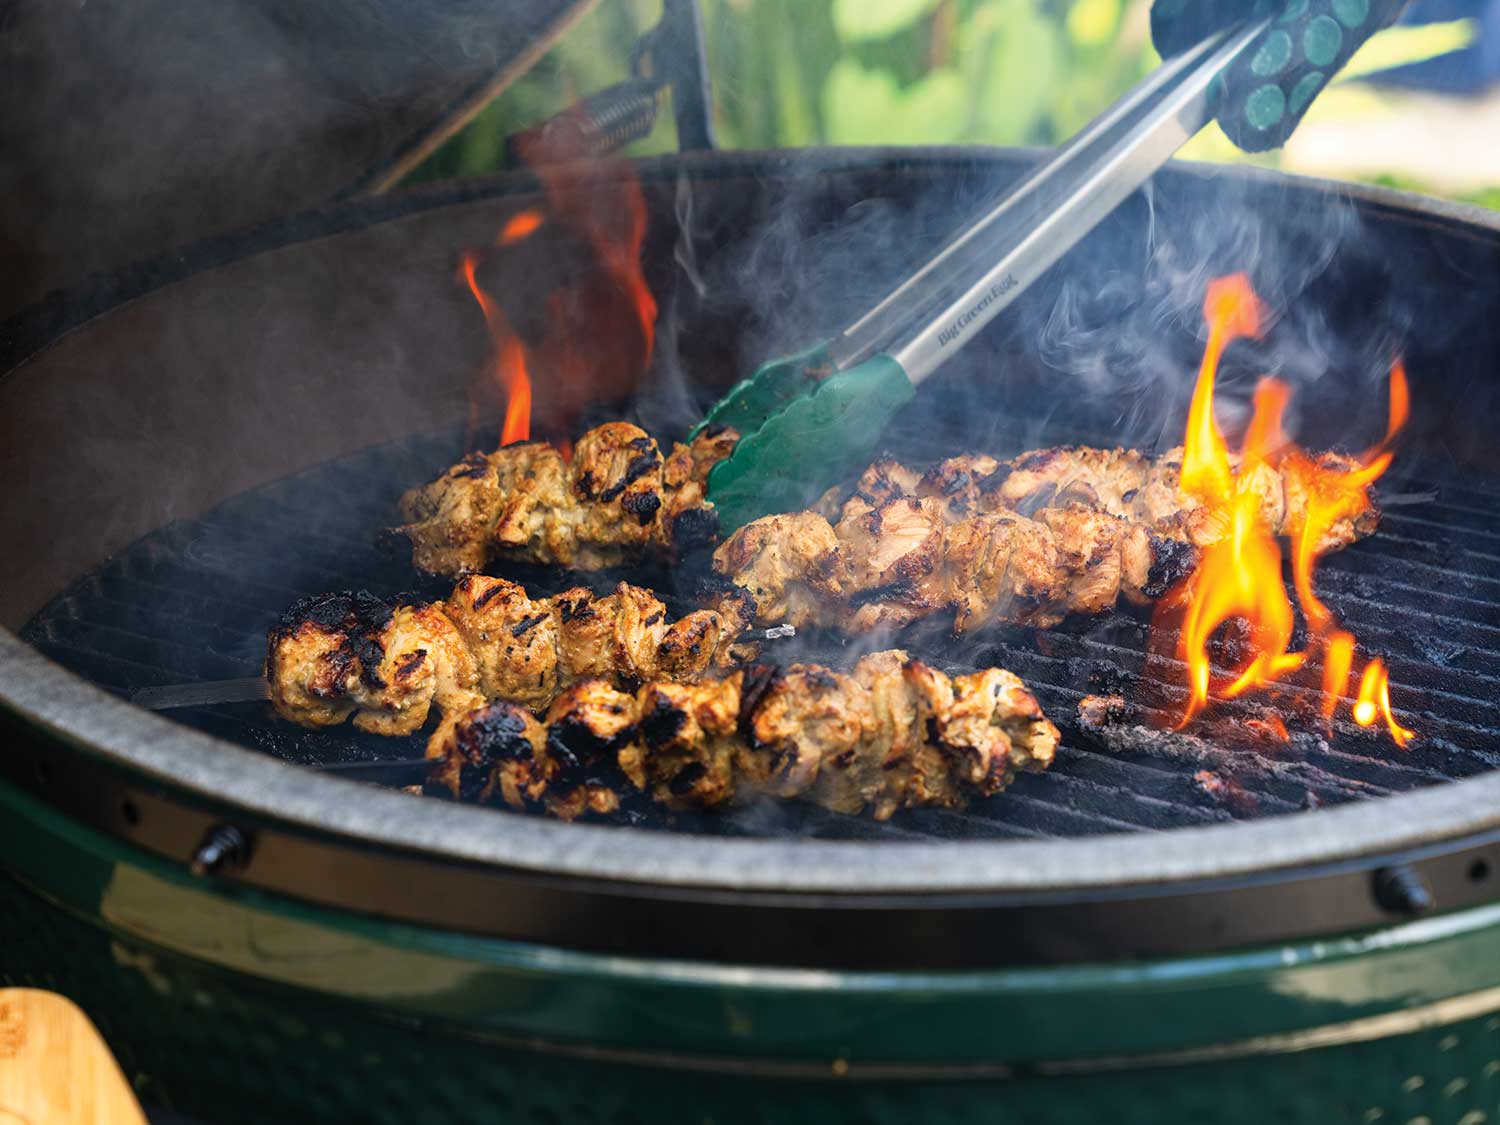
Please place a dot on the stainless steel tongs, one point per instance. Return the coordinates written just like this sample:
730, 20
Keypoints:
809, 419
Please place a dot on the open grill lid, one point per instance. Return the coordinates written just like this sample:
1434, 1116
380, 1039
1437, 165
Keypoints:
784, 901
185, 120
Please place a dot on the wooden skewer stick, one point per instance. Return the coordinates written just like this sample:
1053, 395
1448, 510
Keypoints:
254, 689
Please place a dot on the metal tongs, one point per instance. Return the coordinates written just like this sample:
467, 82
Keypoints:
808, 420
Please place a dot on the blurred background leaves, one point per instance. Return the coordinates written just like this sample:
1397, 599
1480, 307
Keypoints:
789, 73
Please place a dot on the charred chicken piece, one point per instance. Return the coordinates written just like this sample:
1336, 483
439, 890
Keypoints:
893, 733
617, 500
343, 655
1031, 540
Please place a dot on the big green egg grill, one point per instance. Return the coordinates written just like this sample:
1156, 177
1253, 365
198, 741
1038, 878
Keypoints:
267, 927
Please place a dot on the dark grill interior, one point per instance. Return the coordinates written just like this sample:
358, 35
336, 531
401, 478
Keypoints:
193, 601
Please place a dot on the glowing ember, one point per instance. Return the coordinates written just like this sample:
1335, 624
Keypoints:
1239, 575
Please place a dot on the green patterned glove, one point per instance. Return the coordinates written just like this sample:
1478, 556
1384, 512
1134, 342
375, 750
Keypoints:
1263, 96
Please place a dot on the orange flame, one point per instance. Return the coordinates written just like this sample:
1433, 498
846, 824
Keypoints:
1338, 660
1239, 575
509, 362
1332, 496
600, 328
592, 335
1375, 693
1232, 311
520, 225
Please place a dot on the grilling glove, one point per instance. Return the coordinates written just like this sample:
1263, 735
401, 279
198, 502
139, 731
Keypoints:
1264, 94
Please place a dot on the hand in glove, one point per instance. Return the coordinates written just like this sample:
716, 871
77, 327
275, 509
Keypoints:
1264, 94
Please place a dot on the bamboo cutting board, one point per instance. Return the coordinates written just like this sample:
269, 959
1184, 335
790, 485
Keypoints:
55, 1068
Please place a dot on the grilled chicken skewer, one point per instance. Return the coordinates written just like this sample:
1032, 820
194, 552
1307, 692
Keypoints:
347, 655
616, 501
1030, 540
892, 733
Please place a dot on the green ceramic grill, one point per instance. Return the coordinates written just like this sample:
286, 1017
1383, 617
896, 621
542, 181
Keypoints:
267, 928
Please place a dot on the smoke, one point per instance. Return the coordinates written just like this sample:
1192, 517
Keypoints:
1103, 348
785, 264
1125, 327
668, 403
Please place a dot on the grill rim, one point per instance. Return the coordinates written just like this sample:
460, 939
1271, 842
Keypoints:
164, 754
204, 772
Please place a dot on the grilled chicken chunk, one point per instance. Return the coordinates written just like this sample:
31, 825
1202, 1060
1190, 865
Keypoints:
893, 733
343, 655
353, 655
1030, 540
617, 500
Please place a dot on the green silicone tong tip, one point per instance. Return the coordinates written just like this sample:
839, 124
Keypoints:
812, 419
812, 432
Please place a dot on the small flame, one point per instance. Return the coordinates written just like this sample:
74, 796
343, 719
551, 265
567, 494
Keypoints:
509, 362
1232, 311
1239, 575
1332, 496
1338, 661
591, 336
1375, 695
521, 225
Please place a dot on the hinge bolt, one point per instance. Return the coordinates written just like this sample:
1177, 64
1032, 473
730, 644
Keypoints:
1403, 890
223, 851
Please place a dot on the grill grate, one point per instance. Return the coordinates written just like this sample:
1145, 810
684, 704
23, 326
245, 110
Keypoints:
193, 600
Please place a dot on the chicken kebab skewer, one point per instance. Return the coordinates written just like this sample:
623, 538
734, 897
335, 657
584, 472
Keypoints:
340, 656
616, 501
892, 733
1028, 541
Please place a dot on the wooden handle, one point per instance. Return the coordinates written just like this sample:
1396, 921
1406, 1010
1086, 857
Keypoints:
55, 1068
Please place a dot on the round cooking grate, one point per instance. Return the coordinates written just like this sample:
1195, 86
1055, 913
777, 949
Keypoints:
192, 602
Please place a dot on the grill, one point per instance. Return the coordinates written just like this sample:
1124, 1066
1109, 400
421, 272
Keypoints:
1221, 930
192, 602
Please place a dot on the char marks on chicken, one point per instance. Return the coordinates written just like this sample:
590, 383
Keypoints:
892, 733
1030, 540
339, 656
616, 501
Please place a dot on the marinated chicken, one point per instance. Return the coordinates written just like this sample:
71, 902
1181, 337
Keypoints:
1030, 540
352, 655
892, 733
617, 500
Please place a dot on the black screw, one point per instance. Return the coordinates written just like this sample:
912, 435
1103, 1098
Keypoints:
223, 851
1402, 890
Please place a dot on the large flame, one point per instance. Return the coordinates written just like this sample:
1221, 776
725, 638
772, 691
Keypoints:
1239, 575
591, 336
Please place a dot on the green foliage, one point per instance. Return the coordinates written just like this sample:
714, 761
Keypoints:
1019, 64
1484, 197
790, 73
868, 107
929, 71
875, 19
